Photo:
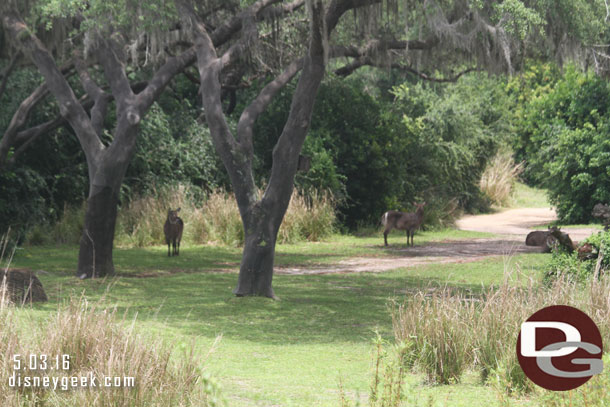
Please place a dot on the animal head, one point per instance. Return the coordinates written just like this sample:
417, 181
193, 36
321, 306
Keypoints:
419, 206
172, 215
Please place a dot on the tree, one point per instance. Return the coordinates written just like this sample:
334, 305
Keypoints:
105, 39
489, 35
431, 39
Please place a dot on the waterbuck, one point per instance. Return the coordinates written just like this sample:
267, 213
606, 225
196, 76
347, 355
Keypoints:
403, 221
539, 237
547, 239
173, 231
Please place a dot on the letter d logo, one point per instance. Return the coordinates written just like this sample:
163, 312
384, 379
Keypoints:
559, 348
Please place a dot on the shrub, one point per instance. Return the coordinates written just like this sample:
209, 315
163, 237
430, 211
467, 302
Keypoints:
437, 328
429, 141
450, 332
217, 219
569, 266
499, 177
66, 230
101, 344
565, 140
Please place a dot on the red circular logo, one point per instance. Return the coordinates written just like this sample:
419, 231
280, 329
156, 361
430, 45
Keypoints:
560, 348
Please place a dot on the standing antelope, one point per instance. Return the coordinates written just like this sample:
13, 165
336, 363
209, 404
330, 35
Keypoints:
173, 231
403, 221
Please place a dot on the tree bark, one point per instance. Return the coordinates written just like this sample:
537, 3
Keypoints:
95, 253
256, 269
262, 217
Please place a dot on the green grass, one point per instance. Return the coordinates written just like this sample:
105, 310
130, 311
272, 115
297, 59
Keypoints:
525, 196
290, 352
595, 226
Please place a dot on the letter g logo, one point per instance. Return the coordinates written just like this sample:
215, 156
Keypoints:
555, 344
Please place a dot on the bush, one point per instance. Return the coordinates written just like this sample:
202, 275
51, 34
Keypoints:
451, 332
101, 344
217, 219
431, 142
569, 266
499, 178
66, 230
566, 140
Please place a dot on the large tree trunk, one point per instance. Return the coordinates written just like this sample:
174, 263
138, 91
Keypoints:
256, 270
95, 255
106, 176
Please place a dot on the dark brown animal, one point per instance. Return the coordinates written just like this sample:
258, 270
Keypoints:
548, 239
561, 239
173, 232
538, 237
403, 221
21, 287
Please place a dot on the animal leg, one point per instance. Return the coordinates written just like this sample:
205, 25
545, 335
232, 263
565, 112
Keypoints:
385, 235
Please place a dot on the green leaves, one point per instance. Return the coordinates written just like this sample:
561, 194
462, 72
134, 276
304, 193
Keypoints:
518, 19
566, 139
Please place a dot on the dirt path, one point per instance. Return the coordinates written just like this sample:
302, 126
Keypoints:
511, 226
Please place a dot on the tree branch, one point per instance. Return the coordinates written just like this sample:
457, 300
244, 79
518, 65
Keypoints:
69, 106
358, 63
26, 137
21, 115
235, 160
98, 96
114, 70
339, 7
288, 146
7, 72
259, 104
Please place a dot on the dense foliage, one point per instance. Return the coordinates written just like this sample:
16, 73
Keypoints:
569, 266
172, 148
415, 142
565, 140
377, 142
422, 142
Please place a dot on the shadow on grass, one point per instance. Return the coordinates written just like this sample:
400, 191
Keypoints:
313, 309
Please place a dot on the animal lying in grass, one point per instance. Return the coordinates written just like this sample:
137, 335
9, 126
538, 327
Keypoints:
403, 221
173, 232
547, 239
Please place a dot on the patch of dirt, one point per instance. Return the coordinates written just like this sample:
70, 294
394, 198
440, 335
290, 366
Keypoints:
460, 251
512, 226
164, 273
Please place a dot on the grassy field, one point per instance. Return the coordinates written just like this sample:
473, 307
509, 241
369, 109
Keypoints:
525, 196
291, 352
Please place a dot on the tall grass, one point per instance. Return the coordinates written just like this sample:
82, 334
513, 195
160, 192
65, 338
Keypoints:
213, 221
102, 345
217, 219
499, 177
450, 332
67, 230
388, 386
